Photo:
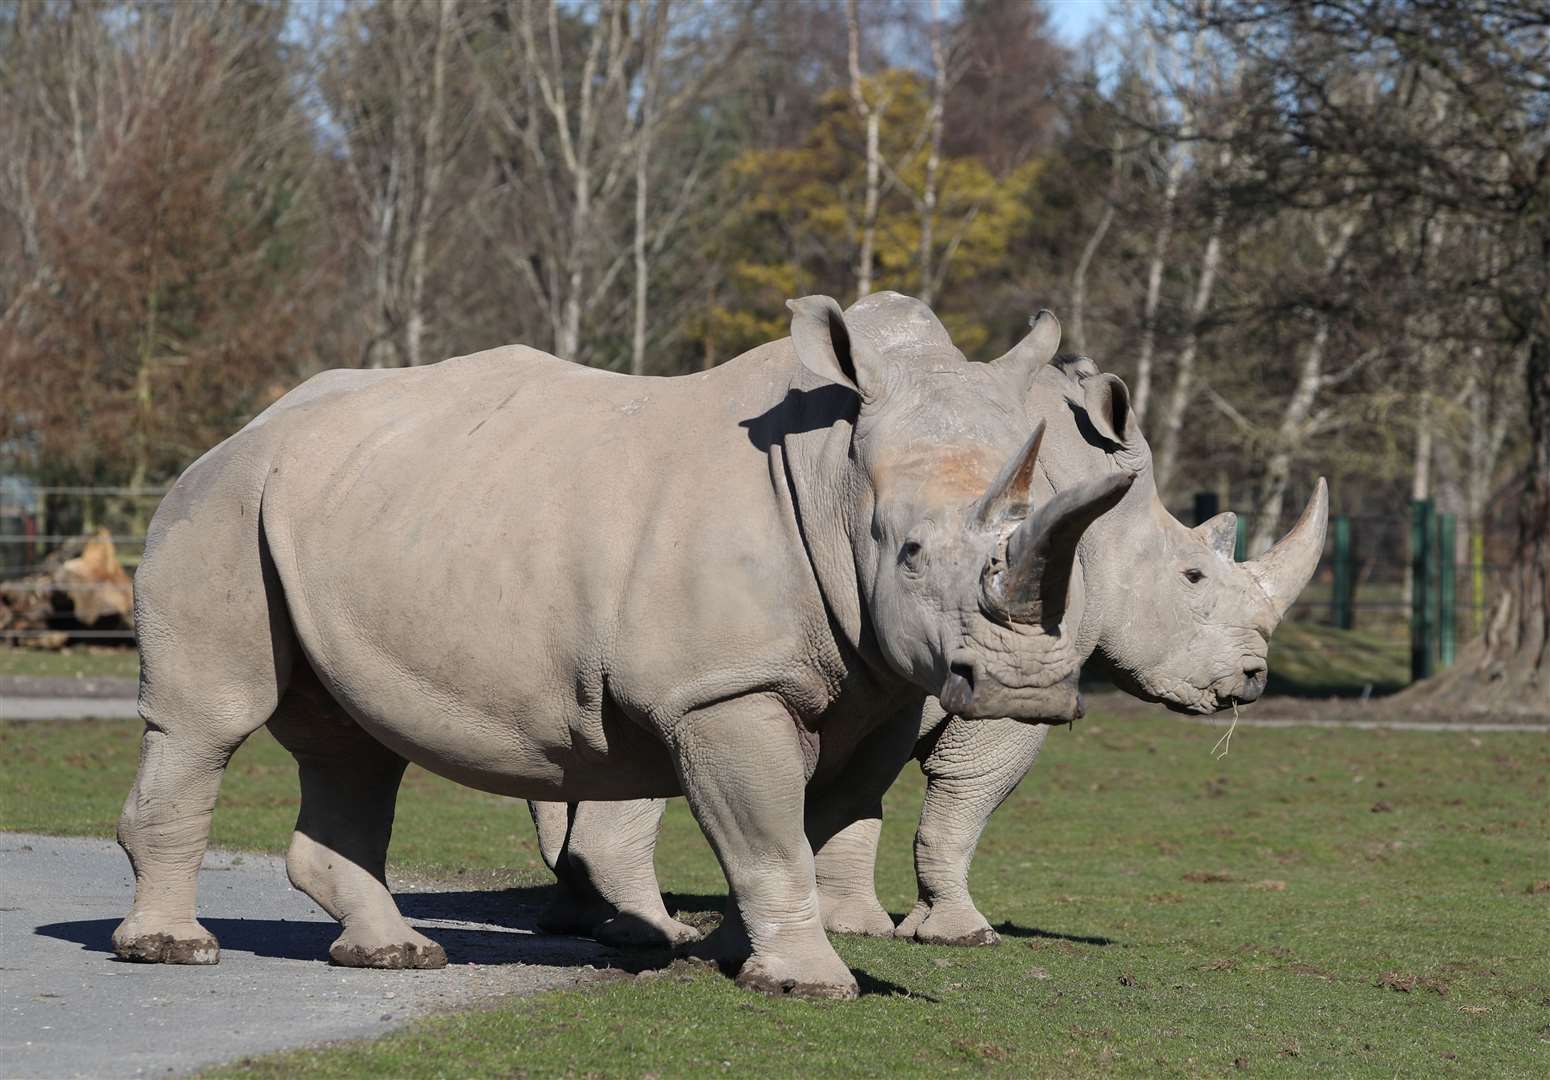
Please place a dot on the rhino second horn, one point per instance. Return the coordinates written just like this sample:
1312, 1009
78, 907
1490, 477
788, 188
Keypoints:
1008, 492
1041, 553
1283, 570
1039, 345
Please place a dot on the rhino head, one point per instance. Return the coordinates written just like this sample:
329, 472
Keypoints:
963, 579
1177, 620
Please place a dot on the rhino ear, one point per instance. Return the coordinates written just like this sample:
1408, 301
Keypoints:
1107, 401
1220, 534
827, 348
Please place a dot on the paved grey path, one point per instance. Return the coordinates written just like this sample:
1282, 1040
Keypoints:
68, 1008
18, 709
42, 697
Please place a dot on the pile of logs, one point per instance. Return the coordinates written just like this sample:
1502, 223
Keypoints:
79, 586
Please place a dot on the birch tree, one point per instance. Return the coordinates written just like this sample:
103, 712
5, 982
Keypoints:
575, 104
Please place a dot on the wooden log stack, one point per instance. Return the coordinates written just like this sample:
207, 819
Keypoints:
80, 586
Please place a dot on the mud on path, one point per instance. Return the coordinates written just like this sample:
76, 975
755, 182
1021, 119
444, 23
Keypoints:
69, 1008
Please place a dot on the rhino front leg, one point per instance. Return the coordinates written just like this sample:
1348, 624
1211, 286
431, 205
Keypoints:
609, 885
971, 767
744, 774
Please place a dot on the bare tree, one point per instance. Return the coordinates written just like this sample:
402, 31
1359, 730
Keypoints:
385, 75
576, 104
871, 114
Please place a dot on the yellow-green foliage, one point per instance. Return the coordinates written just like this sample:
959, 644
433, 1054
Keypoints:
801, 220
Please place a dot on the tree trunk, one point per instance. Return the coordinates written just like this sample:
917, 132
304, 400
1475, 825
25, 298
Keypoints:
870, 116
432, 167
642, 167
1289, 433
1079, 276
1154, 275
1183, 391
928, 197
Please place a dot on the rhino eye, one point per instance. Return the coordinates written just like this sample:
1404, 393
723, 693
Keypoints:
909, 555
1193, 576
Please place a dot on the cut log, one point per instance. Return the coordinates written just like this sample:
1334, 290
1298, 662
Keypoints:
81, 585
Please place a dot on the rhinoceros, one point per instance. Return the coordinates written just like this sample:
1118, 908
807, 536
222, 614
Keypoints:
554, 582
1178, 621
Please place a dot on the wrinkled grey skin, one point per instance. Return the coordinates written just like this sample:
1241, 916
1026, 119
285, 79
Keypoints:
557, 583
1177, 620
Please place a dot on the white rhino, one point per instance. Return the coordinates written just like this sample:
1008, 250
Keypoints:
1165, 605
720, 585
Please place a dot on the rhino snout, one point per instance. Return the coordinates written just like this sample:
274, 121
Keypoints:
1252, 684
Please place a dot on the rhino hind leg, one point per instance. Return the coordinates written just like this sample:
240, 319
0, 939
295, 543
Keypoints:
576, 908
846, 888
164, 829
212, 668
610, 848
845, 823
338, 852
605, 883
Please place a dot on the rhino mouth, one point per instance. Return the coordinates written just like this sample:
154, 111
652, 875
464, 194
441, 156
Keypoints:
957, 694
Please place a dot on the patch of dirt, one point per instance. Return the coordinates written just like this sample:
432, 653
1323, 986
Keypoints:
1208, 877
1404, 983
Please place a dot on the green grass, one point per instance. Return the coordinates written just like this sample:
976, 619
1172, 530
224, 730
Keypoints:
1312, 660
78, 662
1162, 913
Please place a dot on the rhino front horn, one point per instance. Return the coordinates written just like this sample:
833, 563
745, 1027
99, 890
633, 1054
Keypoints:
1041, 553
1283, 570
1008, 493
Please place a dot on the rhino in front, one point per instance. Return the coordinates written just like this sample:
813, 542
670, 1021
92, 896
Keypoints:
718, 585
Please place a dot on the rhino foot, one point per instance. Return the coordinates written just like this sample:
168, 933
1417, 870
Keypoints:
827, 978
852, 915
367, 951
954, 924
181, 943
633, 931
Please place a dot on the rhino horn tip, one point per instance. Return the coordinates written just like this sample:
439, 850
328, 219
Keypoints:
1286, 568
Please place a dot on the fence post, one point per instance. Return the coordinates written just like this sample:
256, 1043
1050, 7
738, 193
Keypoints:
1447, 590
1341, 606
1420, 606
1477, 575
1207, 506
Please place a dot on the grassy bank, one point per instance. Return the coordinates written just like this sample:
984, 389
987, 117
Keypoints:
76, 662
1357, 903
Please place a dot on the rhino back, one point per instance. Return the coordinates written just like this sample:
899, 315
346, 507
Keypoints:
506, 555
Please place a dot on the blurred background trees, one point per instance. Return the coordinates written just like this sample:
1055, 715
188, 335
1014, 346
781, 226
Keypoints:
1314, 239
